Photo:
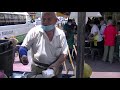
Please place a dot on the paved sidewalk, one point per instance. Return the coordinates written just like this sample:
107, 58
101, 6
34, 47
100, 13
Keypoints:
100, 69
104, 69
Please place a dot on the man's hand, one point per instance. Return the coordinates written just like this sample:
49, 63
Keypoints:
24, 60
49, 73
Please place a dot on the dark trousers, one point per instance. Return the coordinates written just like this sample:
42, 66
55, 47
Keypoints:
100, 47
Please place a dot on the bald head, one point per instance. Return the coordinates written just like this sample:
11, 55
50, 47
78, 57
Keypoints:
53, 14
49, 18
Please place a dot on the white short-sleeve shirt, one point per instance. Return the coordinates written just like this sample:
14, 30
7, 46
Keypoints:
102, 29
43, 50
96, 29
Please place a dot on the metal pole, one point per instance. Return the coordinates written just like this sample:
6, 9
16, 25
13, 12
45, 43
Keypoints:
80, 44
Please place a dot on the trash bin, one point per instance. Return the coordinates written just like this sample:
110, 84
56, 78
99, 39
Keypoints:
6, 57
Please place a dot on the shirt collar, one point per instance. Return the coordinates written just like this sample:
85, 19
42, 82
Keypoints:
57, 33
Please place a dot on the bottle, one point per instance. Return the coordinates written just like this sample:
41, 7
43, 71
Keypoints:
95, 42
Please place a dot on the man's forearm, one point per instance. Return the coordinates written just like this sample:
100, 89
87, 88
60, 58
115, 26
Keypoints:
22, 51
60, 60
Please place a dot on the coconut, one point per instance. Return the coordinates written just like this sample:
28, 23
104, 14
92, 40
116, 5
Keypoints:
87, 71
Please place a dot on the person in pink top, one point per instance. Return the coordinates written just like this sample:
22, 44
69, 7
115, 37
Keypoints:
109, 41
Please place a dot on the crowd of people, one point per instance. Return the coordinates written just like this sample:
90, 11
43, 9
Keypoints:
103, 34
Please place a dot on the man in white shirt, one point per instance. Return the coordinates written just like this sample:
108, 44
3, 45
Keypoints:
97, 38
49, 47
95, 31
103, 26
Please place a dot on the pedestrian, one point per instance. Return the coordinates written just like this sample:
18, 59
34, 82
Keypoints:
87, 29
103, 26
48, 45
95, 36
117, 42
69, 31
110, 34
